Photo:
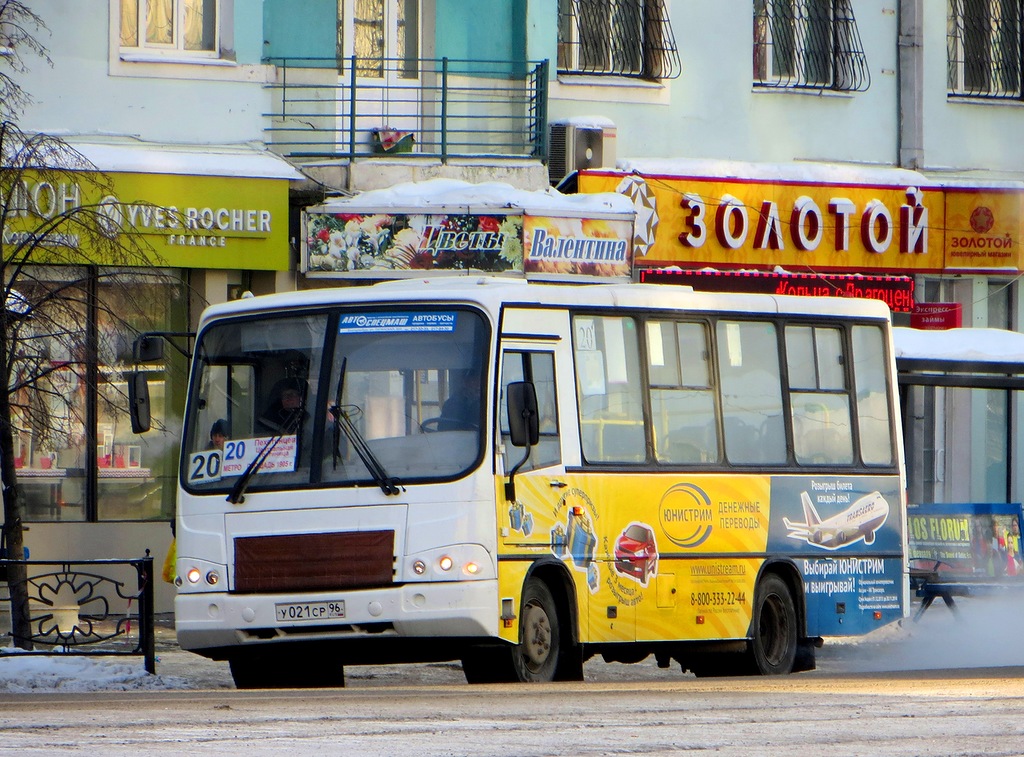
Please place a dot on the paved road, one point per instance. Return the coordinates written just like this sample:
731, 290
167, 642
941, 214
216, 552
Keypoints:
898, 692
939, 713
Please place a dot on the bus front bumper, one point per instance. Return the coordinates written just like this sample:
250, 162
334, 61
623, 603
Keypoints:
427, 610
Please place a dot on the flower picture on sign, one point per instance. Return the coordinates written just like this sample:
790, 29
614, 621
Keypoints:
587, 246
340, 243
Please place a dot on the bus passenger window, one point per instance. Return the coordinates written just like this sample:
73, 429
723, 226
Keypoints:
608, 379
869, 375
819, 398
751, 386
682, 398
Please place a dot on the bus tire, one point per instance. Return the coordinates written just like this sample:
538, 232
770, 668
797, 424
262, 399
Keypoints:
535, 659
773, 645
277, 668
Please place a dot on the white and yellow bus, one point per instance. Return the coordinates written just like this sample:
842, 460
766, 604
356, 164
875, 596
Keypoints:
522, 476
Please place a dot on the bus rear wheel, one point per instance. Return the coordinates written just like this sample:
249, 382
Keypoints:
773, 647
535, 659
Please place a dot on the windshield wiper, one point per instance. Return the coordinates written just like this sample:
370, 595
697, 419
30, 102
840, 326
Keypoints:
342, 422
291, 424
336, 412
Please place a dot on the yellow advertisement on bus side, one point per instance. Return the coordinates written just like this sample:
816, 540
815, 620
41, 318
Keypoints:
662, 556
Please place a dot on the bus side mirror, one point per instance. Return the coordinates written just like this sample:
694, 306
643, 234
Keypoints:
148, 348
138, 402
523, 426
523, 419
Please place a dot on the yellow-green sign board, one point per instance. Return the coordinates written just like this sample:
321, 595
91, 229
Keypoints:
189, 221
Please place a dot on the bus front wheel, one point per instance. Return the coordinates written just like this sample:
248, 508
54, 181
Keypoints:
536, 657
773, 647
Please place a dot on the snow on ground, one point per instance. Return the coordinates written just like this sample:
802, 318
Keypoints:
29, 673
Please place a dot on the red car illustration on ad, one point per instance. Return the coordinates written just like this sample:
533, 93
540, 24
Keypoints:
636, 553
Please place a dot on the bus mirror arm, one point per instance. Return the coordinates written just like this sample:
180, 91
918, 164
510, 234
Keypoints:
510, 485
523, 425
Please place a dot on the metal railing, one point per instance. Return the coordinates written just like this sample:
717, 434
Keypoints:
81, 607
441, 108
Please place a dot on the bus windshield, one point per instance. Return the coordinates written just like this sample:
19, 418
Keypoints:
336, 398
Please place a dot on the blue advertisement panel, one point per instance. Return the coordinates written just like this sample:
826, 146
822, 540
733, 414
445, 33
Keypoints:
845, 535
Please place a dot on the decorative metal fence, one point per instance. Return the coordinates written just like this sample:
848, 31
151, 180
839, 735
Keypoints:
441, 108
87, 607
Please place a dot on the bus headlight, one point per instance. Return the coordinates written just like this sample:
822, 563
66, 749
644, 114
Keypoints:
201, 576
452, 563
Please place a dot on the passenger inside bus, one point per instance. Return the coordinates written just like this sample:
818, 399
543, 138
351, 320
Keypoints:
461, 411
285, 413
219, 433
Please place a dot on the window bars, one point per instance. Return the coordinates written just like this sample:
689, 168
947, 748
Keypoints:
808, 44
617, 38
984, 41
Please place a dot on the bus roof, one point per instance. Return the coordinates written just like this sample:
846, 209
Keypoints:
495, 291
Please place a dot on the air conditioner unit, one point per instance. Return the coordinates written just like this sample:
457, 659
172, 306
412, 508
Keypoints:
574, 148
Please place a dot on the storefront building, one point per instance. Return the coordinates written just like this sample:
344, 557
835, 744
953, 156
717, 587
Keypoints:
209, 222
943, 253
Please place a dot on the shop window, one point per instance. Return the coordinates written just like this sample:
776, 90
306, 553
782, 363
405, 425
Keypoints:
171, 27
983, 41
811, 44
75, 454
136, 473
617, 37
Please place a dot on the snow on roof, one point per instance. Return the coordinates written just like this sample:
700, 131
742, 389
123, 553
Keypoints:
809, 173
964, 344
975, 183
452, 194
585, 122
190, 160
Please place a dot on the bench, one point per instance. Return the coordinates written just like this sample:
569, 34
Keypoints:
930, 583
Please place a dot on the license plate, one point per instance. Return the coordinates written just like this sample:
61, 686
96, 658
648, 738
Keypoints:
310, 611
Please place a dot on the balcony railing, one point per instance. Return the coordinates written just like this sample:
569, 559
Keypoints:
441, 108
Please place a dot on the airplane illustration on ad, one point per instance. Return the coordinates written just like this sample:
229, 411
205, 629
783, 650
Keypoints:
859, 521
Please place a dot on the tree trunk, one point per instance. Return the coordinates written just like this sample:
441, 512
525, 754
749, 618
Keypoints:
13, 529
17, 575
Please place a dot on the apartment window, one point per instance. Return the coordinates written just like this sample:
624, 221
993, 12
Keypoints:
383, 35
171, 26
616, 38
810, 44
984, 42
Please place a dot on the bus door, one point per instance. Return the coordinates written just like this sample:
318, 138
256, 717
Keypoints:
551, 518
